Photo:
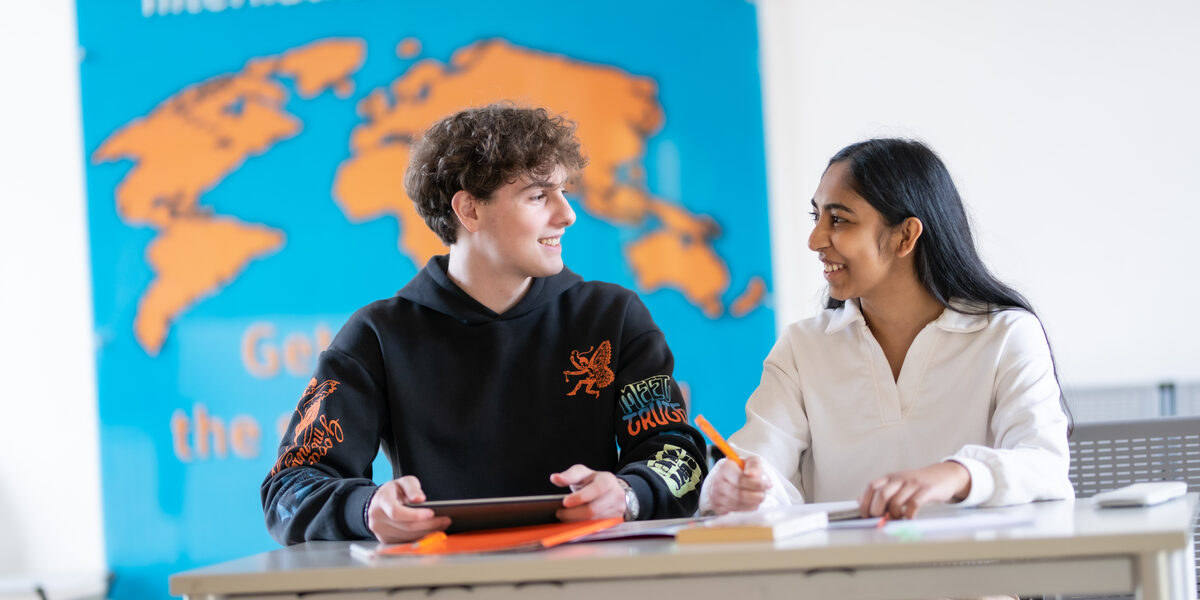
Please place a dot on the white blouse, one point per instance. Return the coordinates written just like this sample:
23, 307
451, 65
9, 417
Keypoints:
828, 417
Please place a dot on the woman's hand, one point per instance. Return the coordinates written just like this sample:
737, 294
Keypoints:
737, 489
901, 494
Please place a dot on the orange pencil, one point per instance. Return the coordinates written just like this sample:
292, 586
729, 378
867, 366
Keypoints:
716, 438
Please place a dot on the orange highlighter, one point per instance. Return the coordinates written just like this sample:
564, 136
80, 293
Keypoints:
716, 438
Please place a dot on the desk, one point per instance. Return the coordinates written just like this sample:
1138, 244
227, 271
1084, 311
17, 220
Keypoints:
1071, 548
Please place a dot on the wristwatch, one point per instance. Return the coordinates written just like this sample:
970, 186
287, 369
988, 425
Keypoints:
631, 501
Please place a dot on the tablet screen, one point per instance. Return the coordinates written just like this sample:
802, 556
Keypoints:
491, 513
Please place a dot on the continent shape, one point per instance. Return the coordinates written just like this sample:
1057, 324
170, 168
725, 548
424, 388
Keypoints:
186, 146
750, 298
616, 113
194, 257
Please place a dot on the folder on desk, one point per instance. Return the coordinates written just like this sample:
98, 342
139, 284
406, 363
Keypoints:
511, 539
656, 528
670, 528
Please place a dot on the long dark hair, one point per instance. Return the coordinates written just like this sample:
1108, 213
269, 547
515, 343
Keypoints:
904, 178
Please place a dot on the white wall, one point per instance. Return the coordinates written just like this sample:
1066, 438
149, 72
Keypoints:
1071, 128
49, 464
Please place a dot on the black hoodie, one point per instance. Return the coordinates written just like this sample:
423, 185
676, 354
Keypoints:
479, 404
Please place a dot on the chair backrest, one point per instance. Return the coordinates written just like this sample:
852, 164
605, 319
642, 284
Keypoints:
1114, 454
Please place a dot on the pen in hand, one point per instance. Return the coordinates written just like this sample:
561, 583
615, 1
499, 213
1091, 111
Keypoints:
720, 442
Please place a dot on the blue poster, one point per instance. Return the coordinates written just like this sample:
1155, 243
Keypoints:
244, 164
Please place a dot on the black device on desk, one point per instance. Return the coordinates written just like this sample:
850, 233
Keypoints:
492, 513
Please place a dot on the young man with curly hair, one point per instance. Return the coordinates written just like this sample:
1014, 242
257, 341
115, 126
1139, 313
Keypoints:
495, 371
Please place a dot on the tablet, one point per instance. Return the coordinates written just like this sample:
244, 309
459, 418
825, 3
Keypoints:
491, 513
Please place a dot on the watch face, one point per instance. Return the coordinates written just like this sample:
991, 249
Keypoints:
631, 504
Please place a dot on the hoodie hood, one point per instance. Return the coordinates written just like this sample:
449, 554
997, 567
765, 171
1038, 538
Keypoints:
433, 289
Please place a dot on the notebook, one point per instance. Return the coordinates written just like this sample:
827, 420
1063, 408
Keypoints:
765, 525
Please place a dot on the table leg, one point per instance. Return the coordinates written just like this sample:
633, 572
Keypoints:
1155, 576
1187, 570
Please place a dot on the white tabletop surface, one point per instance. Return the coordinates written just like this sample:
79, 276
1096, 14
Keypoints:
1057, 529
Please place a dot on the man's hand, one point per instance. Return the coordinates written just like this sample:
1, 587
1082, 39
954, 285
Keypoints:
737, 489
901, 494
392, 522
594, 494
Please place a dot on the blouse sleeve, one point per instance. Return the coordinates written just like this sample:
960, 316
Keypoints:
1029, 459
776, 427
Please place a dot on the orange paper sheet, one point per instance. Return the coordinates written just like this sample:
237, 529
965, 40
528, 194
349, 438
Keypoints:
532, 537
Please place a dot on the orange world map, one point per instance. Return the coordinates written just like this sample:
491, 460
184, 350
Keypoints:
189, 143
185, 147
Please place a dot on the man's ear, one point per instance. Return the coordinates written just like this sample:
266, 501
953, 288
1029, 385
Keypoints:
910, 231
466, 207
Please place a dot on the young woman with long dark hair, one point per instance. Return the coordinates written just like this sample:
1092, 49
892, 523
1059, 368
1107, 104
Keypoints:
925, 379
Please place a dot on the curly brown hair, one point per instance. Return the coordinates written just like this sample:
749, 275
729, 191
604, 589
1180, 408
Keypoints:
478, 150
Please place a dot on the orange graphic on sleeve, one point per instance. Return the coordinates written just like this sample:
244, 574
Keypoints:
591, 366
315, 434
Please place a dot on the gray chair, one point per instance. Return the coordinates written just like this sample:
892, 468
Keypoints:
1114, 454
